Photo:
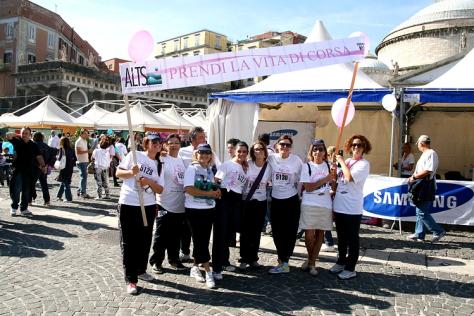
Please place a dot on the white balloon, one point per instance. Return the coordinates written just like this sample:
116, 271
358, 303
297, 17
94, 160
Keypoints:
389, 102
337, 112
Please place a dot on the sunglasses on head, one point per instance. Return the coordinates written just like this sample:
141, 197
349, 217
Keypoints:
205, 152
288, 145
318, 148
357, 145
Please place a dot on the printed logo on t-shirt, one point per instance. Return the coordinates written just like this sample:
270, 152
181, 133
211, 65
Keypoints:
179, 172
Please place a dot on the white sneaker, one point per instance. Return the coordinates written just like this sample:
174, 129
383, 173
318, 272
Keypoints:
336, 268
132, 288
26, 213
196, 274
217, 275
346, 275
183, 257
210, 283
13, 211
327, 248
146, 277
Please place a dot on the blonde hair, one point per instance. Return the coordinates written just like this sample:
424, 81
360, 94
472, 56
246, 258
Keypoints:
195, 159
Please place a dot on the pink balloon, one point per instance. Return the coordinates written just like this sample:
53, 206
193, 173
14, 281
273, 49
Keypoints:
140, 46
337, 112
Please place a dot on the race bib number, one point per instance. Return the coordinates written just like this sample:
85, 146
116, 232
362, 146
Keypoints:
145, 170
281, 179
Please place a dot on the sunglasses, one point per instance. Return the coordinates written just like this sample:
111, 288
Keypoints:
173, 143
357, 145
204, 152
258, 149
288, 145
319, 148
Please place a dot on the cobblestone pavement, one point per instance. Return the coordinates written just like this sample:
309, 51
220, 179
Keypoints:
51, 264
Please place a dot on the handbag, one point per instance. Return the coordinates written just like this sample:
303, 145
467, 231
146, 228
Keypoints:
91, 167
60, 163
423, 189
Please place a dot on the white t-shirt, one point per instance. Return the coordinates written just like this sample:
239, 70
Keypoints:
148, 169
410, 159
428, 161
101, 158
121, 150
320, 197
186, 153
82, 145
260, 193
172, 197
285, 175
200, 178
54, 142
232, 176
349, 197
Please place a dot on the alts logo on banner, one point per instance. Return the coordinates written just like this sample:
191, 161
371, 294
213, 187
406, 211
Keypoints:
276, 134
394, 202
137, 76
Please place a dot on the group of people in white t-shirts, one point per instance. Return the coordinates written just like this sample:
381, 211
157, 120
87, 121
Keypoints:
190, 186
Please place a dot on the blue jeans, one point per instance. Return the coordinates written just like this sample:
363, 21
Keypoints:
20, 184
424, 218
65, 188
83, 185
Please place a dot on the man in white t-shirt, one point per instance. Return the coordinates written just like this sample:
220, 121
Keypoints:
425, 168
53, 140
82, 154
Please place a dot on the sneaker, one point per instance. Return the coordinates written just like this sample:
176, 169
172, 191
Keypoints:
146, 277
184, 257
86, 196
158, 269
313, 271
26, 213
243, 266
283, 268
346, 275
132, 288
217, 275
13, 211
116, 184
47, 204
255, 264
229, 268
210, 283
414, 237
336, 268
178, 266
196, 274
305, 266
327, 248
60, 199
437, 238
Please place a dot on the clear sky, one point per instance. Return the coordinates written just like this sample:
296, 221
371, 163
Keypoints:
109, 24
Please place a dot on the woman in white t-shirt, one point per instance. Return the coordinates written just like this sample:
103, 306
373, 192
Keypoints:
285, 214
170, 219
348, 204
101, 158
199, 203
135, 237
408, 161
316, 204
231, 177
255, 206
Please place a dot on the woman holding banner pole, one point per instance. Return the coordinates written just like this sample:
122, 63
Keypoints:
348, 204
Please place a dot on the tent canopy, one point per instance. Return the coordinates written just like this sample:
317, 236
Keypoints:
321, 84
174, 118
94, 114
454, 86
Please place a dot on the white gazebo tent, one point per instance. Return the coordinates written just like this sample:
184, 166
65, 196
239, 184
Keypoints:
173, 117
94, 114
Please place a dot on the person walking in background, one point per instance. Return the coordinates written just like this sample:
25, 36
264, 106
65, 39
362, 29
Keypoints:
101, 157
65, 175
38, 174
408, 161
348, 204
53, 140
135, 238
425, 169
285, 215
27, 158
82, 154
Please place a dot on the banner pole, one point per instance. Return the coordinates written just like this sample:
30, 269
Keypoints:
134, 158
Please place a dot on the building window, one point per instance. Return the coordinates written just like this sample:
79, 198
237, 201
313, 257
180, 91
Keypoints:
176, 45
81, 60
110, 67
31, 33
50, 40
31, 59
185, 44
196, 53
218, 42
7, 57
9, 30
196, 39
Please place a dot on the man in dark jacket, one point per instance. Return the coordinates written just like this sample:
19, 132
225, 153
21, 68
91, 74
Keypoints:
45, 152
27, 158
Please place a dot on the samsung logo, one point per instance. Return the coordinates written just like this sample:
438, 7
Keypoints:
394, 201
277, 134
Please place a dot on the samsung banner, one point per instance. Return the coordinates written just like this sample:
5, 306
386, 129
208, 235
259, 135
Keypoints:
386, 197
170, 73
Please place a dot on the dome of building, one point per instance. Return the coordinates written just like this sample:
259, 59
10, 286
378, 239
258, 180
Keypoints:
375, 69
439, 31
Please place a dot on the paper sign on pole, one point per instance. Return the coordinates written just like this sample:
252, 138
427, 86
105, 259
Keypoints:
179, 72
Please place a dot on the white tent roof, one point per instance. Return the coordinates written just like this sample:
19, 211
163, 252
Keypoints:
458, 77
172, 116
46, 114
198, 119
332, 77
92, 115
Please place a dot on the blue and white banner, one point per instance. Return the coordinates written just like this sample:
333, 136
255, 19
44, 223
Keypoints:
386, 197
